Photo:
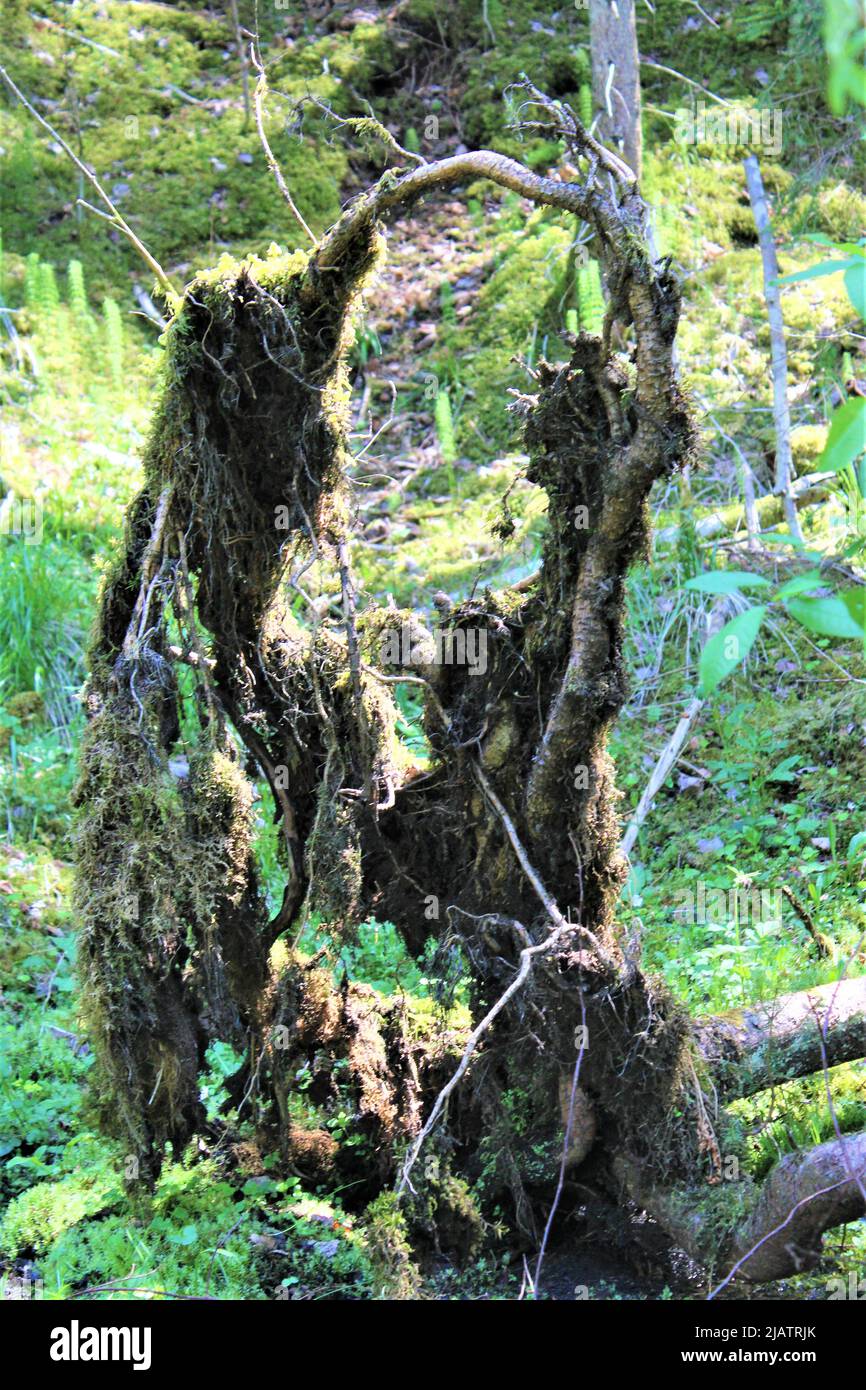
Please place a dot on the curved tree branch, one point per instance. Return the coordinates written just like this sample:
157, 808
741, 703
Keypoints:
805, 1195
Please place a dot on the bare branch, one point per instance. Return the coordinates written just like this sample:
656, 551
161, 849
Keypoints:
259, 95
116, 219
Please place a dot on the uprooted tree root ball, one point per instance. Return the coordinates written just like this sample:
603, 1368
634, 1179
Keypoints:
203, 679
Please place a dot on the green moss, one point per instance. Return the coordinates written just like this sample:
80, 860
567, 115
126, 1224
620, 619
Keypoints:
795, 1115
167, 135
807, 446
395, 1274
455, 547
37, 1217
842, 212
519, 309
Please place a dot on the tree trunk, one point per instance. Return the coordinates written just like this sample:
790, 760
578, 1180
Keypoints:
616, 78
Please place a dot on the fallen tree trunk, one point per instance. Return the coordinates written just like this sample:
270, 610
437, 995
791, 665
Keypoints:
770, 511
762, 1233
749, 1050
804, 1196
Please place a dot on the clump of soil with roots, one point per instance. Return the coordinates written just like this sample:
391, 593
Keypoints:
204, 681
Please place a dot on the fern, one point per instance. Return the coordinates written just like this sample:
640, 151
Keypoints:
444, 422
584, 97
77, 294
31, 281
48, 294
590, 300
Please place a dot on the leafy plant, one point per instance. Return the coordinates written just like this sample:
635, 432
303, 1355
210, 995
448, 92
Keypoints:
845, 41
840, 615
42, 588
77, 294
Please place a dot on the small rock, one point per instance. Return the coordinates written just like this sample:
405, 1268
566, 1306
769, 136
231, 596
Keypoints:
686, 783
327, 1248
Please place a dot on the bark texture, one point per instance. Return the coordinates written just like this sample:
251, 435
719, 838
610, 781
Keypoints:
616, 78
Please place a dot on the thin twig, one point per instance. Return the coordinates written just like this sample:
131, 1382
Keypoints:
538, 887
778, 348
526, 956
116, 217
362, 125
672, 72
259, 95
670, 752
566, 1146
822, 945
71, 34
245, 65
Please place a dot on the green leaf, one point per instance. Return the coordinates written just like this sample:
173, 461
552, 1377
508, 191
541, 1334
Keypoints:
800, 584
828, 617
847, 437
727, 648
856, 844
785, 538
855, 284
849, 247
223, 1060
814, 272
188, 1236
785, 770
855, 601
846, 79
725, 581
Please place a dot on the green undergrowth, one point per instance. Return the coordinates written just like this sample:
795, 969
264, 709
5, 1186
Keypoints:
766, 795
161, 118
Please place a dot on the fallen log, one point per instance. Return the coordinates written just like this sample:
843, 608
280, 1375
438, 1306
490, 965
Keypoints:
766, 1232
748, 1050
770, 510
805, 1195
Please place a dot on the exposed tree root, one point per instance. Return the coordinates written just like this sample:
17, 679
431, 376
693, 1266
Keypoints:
198, 658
